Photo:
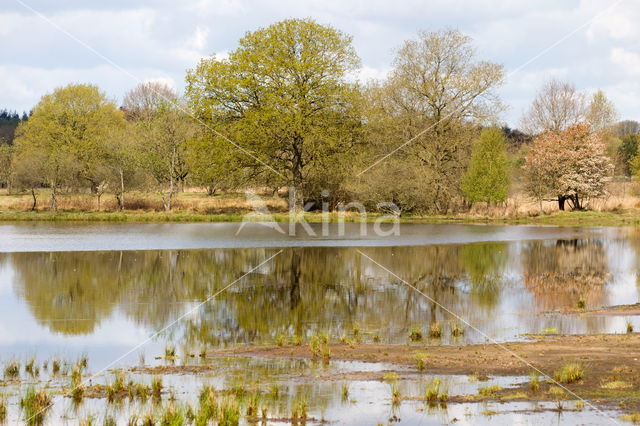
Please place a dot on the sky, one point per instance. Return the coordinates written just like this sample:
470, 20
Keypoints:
116, 44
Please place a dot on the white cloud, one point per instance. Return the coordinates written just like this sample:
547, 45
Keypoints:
164, 38
199, 38
629, 61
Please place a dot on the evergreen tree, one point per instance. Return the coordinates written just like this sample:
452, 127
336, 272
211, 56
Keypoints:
487, 178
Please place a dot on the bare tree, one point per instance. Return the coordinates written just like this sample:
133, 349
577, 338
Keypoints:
557, 107
601, 113
433, 96
147, 99
627, 127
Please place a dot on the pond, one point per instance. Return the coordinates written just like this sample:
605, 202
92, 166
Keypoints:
121, 294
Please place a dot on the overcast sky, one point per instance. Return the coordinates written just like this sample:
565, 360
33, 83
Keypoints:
593, 43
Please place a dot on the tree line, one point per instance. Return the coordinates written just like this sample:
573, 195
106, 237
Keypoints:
285, 111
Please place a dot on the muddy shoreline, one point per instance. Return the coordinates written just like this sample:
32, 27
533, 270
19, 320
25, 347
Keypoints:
611, 363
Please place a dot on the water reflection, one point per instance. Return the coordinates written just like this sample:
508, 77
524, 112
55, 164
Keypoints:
500, 287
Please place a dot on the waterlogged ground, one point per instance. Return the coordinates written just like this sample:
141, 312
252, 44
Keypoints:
149, 290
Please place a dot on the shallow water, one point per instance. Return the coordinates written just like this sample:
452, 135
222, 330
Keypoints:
151, 286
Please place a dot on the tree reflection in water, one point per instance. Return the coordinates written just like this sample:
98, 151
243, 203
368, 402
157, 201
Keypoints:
302, 290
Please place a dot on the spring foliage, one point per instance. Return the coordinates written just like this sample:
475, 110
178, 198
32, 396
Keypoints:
487, 179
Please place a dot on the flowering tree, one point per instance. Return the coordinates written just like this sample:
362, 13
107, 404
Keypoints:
571, 165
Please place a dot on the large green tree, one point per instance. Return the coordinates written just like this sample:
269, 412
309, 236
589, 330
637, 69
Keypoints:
487, 179
283, 102
65, 141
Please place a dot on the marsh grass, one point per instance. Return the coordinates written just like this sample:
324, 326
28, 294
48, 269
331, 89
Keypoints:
391, 376
12, 370
170, 353
631, 417
281, 339
617, 384
31, 368
274, 390
55, 367
534, 381
421, 361
300, 407
556, 392
435, 330
173, 415
77, 387
457, 330
434, 392
3, 410
252, 405
569, 373
345, 392
477, 377
156, 387
35, 405
415, 335
396, 396
491, 390
314, 345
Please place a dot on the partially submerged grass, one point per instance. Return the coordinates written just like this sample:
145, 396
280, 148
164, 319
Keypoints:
421, 361
415, 335
391, 376
300, 407
77, 387
477, 377
435, 330
434, 392
396, 396
12, 370
631, 417
3, 410
556, 392
534, 382
569, 373
345, 392
35, 405
156, 387
491, 390
457, 330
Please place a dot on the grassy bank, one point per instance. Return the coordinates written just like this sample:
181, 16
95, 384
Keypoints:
194, 206
581, 218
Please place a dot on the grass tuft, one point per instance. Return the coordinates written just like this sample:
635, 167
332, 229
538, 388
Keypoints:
435, 330
569, 373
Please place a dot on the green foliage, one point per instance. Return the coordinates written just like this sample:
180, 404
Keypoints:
487, 179
283, 97
627, 152
67, 138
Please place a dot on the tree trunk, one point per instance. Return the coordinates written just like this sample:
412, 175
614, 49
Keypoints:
35, 200
561, 201
121, 197
54, 199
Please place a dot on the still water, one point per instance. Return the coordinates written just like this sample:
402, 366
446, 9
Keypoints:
103, 290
